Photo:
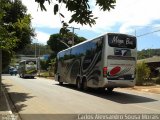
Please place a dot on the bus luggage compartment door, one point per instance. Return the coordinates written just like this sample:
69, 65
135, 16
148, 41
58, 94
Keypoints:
121, 68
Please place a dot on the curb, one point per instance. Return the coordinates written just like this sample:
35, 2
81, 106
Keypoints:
12, 113
8, 106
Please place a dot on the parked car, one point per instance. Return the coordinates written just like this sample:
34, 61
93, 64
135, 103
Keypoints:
13, 71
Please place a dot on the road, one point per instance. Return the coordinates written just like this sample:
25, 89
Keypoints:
42, 96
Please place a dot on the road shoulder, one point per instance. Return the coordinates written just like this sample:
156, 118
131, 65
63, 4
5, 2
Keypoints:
151, 89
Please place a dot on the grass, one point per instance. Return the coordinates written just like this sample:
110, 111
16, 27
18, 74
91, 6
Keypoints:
46, 74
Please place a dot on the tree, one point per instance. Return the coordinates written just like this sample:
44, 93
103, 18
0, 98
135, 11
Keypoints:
143, 73
80, 10
15, 27
148, 53
40, 49
7, 38
57, 42
18, 22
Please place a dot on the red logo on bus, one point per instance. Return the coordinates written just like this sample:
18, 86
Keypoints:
114, 71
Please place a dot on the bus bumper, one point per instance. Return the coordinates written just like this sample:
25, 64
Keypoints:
119, 83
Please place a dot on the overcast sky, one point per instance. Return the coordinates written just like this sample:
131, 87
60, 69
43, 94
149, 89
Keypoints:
135, 17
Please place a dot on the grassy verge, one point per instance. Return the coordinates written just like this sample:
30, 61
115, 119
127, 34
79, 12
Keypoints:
46, 74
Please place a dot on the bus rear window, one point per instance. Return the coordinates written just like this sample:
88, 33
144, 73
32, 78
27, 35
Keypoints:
122, 52
121, 41
31, 62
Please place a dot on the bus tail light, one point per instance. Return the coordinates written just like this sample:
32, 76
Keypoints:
105, 72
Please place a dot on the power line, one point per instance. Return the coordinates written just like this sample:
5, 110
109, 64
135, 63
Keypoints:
148, 33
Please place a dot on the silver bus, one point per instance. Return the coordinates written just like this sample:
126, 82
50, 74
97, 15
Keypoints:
108, 61
28, 68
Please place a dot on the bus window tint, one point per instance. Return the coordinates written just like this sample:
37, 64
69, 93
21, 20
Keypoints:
67, 55
61, 55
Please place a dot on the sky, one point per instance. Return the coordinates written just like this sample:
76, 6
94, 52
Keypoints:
135, 17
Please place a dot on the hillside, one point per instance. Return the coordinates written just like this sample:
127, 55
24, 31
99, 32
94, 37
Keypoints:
148, 53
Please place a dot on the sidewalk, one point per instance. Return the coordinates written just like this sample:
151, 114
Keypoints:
4, 104
5, 110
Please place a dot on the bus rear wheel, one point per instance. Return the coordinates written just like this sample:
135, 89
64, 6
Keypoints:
61, 83
84, 85
59, 80
110, 90
78, 84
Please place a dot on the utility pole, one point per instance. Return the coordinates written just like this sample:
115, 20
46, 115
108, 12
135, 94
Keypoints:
135, 32
35, 50
39, 65
0, 70
73, 28
1, 42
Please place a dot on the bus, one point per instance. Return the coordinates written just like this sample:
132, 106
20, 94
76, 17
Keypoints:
108, 61
27, 68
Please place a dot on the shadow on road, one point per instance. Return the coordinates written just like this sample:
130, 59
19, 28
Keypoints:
28, 78
3, 105
16, 99
115, 96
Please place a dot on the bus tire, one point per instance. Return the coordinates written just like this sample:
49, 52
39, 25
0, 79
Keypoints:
110, 90
84, 84
78, 84
59, 80
61, 83
101, 89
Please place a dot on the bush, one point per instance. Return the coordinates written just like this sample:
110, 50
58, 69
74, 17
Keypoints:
143, 73
44, 74
44, 64
158, 79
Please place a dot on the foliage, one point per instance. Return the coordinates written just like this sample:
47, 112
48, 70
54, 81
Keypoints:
45, 74
7, 38
15, 27
40, 49
43, 64
54, 43
57, 42
143, 73
24, 32
51, 67
158, 80
17, 22
80, 10
148, 53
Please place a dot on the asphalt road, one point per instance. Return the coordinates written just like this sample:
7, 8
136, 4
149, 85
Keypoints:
40, 96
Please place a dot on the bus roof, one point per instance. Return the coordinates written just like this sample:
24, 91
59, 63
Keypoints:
95, 38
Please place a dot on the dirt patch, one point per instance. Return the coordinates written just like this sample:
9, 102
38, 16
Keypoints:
152, 89
47, 78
